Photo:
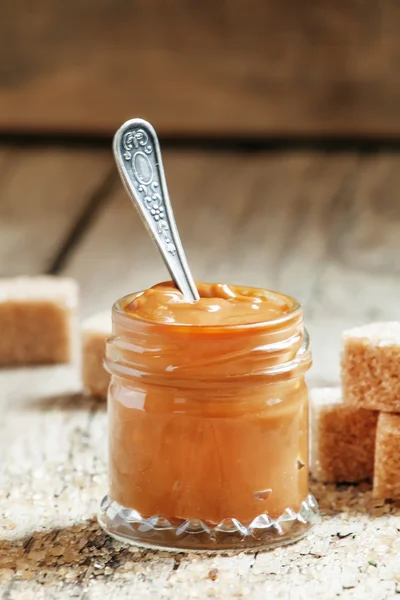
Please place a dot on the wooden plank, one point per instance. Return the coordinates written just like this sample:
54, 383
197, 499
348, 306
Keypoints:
230, 222
254, 68
260, 220
43, 193
323, 228
126, 259
358, 281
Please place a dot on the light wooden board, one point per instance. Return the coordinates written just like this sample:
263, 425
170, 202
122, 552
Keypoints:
252, 68
324, 227
43, 193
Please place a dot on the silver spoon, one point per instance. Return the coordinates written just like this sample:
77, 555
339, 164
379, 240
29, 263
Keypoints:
138, 157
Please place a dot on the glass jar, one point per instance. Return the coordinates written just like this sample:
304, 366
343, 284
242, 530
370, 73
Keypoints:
208, 433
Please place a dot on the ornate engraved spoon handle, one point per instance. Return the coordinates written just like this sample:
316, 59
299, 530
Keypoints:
138, 157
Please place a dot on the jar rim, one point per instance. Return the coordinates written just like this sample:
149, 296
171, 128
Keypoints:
296, 308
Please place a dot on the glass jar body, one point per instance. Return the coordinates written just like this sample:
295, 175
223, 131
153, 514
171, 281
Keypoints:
210, 464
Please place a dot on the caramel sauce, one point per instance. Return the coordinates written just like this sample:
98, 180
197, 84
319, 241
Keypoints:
220, 304
208, 406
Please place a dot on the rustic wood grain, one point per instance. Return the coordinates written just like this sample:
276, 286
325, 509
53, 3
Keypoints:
251, 68
322, 227
358, 279
43, 193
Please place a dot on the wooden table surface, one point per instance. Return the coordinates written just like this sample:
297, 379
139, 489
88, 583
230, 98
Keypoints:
322, 226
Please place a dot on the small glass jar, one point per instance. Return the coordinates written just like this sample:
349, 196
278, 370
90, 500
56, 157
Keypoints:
208, 433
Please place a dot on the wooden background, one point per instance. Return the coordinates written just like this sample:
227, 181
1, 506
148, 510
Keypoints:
322, 226
237, 68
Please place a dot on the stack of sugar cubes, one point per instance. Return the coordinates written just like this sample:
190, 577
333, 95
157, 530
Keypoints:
355, 432
39, 326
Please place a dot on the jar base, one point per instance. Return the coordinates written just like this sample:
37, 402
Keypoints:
195, 535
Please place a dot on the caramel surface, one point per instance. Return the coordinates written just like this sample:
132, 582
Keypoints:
219, 304
208, 422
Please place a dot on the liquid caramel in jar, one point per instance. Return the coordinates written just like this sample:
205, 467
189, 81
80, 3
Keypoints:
208, 419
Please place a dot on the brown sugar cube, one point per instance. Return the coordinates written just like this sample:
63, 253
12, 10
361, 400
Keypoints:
38, 320
371, 366
387, 457
95, 332
342, 438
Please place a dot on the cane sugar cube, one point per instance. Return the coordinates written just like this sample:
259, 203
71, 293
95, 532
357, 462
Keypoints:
387, 457
95, 332
38, 320
342, 438
371, 366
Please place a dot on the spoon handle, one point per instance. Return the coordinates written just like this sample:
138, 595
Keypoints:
138, 157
